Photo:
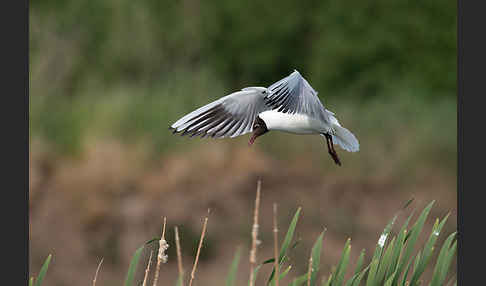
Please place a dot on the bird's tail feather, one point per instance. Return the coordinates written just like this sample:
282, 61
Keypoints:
345, 139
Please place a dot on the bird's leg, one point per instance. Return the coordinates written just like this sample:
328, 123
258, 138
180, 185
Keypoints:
330, 148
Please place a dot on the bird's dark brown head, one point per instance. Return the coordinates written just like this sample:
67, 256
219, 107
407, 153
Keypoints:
259, 128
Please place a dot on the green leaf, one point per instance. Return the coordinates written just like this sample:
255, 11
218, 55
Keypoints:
133, 267
428, 249
152, 240
408, 203
282, 275
398, 248
357, 270
179, 280
404, 279
31, 281
271, 260
372, 275
316, 257
385, 262
343, 263
359, 263
255, 272
289, 235
351, 280
286, 242
411, 238
415, 265
358, 279
389, 281
450, 282
230, 279
447, 262
328, 283
370, 281
382, 240
444, 254
43, 271
299, 280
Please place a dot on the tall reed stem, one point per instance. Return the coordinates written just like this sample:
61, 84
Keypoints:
254, 235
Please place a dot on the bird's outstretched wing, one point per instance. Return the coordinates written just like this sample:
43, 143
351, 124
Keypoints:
293, 94
232, 115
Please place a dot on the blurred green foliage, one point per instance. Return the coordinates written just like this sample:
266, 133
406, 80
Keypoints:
134, 67
355, 47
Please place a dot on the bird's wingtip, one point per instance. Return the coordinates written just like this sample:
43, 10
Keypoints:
174, 130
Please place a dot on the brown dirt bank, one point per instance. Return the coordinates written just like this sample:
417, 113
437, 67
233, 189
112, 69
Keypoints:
110, 200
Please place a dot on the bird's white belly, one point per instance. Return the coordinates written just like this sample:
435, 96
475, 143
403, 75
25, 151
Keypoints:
292, 123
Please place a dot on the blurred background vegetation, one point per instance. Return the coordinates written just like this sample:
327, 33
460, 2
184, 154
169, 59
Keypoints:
108, 77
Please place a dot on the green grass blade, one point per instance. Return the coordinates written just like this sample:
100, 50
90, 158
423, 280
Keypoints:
389, 281
230, 279
43, 271
286, 242
155, 239
382, 240
31, 281
418, 258
316, 258
405, 275
359, 264
289, 235
450, 282
133, 267
342, 265
428, 249
358, 279
370, 281
408, 203
358, 269
447, 262
441, 261
179, 280
398, 248
351, 280
282, 275
329, 280
255, 272
372, 274
385, 262
299, 280
270, 260
411, 238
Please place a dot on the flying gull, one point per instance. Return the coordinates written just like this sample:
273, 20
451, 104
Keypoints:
289, 105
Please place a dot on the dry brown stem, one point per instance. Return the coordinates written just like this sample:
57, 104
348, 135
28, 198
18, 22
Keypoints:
254, 234
147, 269
179, 256
275, 243
161, 257
97, 270
203, 232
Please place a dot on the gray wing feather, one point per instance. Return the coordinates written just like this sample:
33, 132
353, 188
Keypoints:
293, 94
232, 115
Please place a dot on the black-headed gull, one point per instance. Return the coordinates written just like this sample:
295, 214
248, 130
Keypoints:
289, 105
